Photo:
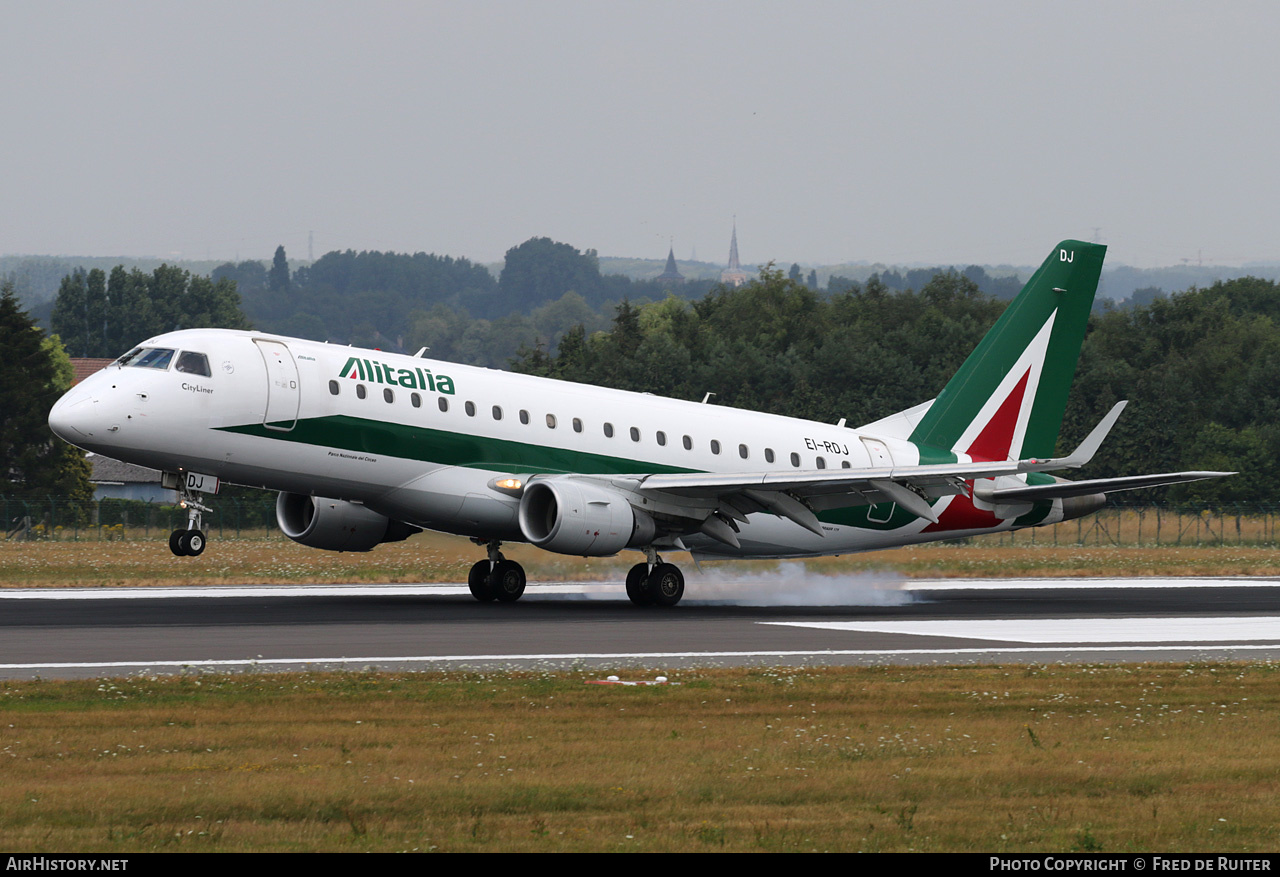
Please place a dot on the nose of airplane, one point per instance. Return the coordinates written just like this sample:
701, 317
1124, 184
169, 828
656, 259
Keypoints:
71, 417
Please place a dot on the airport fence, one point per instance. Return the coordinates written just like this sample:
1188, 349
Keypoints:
1159, 524
64, 519
253, 517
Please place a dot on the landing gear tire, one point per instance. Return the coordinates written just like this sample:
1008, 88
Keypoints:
175, 543
665, 584
507, 581
478, 581
637, 577
193, 542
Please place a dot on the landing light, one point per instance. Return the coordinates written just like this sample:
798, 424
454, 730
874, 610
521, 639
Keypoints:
512, 485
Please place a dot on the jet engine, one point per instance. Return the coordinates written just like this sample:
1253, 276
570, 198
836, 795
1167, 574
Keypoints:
335, 524
1079, 506
572, 516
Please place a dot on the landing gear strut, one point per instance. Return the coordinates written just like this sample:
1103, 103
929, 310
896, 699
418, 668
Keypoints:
496, 578
189, 542
655, 583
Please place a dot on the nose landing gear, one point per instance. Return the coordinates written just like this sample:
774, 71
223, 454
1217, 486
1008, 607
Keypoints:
191, 541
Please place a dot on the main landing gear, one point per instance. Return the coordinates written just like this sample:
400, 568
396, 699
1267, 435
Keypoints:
655, 583
652, 583
496, 578
189, 542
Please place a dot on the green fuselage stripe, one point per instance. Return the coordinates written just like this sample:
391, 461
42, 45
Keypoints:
447, 448
450, 448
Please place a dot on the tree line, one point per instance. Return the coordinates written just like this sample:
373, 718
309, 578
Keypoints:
101, 315
1201, 367
401, 301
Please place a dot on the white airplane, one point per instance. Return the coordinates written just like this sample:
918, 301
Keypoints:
367, 447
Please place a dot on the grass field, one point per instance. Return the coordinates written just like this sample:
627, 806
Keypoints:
1048, 758
431, 557
1045, 758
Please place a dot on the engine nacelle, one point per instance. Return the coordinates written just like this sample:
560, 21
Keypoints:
575, 517
1079, 506
335, 524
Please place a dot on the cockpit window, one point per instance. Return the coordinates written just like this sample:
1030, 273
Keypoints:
149, 357
192, 363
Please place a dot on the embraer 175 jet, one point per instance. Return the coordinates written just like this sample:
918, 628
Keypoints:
367, 447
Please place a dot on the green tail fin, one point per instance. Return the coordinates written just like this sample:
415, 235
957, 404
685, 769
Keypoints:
1007, 400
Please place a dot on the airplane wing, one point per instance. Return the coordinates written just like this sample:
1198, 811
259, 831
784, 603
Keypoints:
717, 500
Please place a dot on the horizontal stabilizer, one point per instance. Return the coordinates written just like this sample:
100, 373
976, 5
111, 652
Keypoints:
1064, 489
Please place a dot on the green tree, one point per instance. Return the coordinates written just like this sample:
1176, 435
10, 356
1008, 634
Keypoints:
278, 279
70, 319
133, 317
101, 316
82, 314
36, 373
541, 270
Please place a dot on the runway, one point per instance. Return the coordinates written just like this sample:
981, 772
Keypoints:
783, 619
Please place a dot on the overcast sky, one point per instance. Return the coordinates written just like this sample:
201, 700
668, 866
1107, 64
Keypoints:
835, 131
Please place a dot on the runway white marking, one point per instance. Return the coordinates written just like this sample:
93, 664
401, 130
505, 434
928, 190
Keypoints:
596, 589
1073, 630
385, 661
1083, 584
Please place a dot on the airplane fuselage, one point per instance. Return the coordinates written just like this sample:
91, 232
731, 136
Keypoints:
425, 442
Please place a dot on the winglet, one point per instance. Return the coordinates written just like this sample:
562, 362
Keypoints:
1087, 448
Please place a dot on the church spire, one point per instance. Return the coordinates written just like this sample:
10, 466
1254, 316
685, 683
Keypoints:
672, 273
734, 275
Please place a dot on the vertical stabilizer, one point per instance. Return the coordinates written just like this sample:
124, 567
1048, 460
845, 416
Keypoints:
1007, 400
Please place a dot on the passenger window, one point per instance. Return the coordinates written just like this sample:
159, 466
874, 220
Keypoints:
662, 438
635, 434
551, 421
845, 464
470, 408
577, 425
795, 460
388, 395
608, 430
715, 446
688, 443
193, 363
497, 412
415, 400
768, 455
360, 391
524, 417
333, 388
743, 452
822, 462
443, 403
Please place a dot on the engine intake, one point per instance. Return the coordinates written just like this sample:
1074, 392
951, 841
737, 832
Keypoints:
575, 517
335, 524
